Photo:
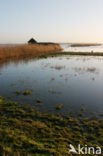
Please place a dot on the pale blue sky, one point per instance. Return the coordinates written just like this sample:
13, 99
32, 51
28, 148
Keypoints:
51, 20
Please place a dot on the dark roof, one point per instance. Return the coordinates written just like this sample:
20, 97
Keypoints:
32, 41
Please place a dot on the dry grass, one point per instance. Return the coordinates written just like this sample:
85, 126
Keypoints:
85, 44
57, 67
28, 50
92, 69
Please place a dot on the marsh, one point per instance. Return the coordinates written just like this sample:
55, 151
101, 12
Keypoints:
69, 80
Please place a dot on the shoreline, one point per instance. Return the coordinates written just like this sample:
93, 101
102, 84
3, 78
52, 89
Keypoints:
85, 44
37, 51
77, 53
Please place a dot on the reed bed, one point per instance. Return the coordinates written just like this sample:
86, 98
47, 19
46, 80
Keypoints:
85, 44
22, 51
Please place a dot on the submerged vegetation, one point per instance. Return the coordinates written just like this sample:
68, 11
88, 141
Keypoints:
57, 67
26, 92
59, 107
26, 132
38, 100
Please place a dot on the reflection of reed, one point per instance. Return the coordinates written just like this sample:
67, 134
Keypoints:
6, 62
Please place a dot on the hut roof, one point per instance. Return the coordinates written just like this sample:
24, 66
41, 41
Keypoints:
32, 41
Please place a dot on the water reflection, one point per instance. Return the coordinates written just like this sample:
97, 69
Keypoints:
73, 81
68, 48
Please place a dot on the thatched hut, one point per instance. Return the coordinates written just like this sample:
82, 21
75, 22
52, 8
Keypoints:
32, 41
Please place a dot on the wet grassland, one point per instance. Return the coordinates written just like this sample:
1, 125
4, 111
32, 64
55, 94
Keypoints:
25, 131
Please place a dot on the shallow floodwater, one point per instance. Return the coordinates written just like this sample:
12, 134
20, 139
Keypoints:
74, 81
67, 48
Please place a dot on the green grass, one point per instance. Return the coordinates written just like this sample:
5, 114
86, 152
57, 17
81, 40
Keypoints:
59, 107
26, 92
18, 92
38, 100
26, 132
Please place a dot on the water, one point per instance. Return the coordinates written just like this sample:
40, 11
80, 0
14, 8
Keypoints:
74, 81
67, 48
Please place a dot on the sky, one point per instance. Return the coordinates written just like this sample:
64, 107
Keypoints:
51, 20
